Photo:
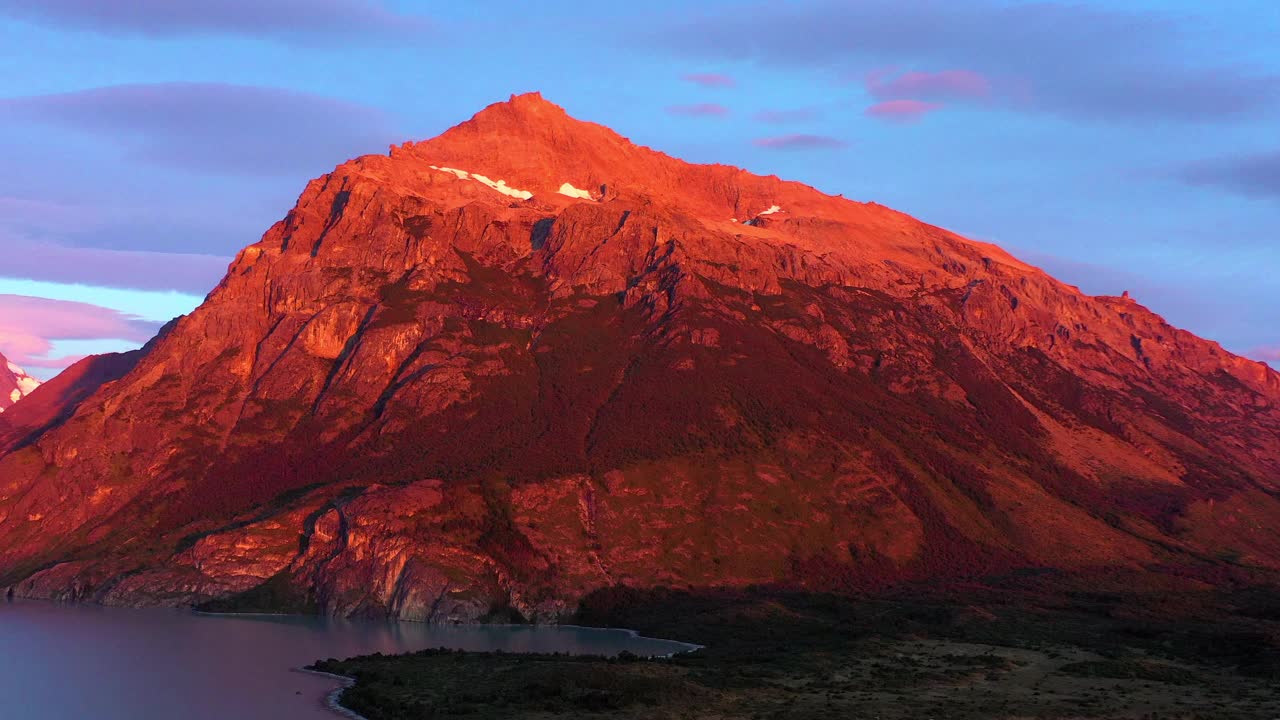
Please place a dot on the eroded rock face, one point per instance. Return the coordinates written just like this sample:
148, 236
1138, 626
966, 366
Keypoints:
442, 386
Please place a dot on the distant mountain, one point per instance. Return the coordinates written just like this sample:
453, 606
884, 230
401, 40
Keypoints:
15, 383
528, 359
52, 403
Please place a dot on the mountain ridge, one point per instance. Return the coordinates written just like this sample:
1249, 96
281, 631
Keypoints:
441, 386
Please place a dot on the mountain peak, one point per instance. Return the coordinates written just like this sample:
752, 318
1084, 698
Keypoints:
15, 383
523, 112
520, 113
531, 101
533, 144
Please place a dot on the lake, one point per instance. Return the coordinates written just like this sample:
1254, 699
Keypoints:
75, 662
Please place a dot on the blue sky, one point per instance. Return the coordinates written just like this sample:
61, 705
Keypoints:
1121, 146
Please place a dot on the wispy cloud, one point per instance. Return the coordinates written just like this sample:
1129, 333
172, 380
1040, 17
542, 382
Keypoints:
1068, 58
890, 84
699, 110
29, 327
799, 141
122, 221
102, 267
902, 111
780, 117
1257, 174
214, 127
709, 80
287, 20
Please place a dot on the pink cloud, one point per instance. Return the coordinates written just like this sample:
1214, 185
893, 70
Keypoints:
1085, 59
902, 111
799, 141
30, 325
699, 110
778, 117
709, 80
888, 84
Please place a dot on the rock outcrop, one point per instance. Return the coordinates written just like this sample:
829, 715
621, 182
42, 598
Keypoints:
528, 359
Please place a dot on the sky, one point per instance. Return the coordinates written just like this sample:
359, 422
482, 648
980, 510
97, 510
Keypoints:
1118, 145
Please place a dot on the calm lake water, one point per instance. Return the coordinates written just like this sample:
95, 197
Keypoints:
82, 662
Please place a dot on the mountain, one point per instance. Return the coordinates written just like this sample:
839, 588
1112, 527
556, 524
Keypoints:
53, 402
15, 384
527, 359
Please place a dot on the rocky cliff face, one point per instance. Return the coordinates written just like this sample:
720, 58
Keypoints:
527, 359
15, 384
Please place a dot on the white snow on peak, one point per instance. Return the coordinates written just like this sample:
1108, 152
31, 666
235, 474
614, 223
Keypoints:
25, 384
460, 174
573, 192
501, 185
772, 209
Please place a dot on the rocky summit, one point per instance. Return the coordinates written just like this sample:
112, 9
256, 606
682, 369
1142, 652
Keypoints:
15, 384
529, 359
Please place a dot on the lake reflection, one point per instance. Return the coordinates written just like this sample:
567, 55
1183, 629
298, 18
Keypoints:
76, 662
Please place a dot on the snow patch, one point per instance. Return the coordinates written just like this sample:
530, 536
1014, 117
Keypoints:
460, 174
24, 382
772, 209
501, 185
573, 192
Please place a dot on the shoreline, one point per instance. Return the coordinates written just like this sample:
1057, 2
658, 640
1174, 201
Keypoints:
813, 655
686, 647
210, 613
332, 699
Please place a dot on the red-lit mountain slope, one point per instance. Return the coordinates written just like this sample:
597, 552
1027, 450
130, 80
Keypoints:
527, 359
